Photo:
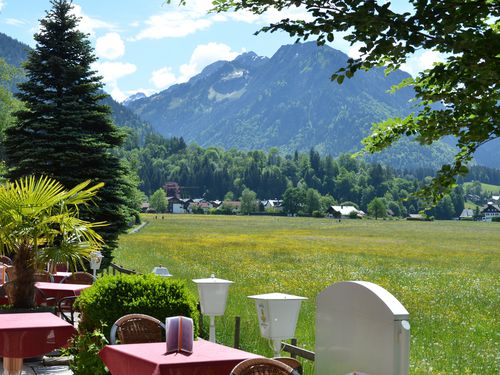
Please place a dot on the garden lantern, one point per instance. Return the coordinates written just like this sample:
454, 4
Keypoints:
161, 271
278, 314
95, 261
213, 296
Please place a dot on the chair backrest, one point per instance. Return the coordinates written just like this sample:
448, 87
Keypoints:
262, 366
44, 276
54, 267
5, 260
292, 362
65, 307
11, 273
79, 278
137, 328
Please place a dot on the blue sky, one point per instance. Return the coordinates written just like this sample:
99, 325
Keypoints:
147, 45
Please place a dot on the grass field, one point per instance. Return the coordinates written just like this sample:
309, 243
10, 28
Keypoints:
445, 273
493, 189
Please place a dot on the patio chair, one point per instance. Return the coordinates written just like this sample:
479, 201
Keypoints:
262, 366
137, 328
79, 278
292, 362
10, 272
39, 297
54, 267
5, 260
44, 276
66, 309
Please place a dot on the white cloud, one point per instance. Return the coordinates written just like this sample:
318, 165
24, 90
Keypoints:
2, 4
422, 61
111, 73
87, 24
203, 55
14, 22
110, 46
163, 77
172, 25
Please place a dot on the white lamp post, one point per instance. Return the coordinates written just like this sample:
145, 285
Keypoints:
278, 314
213, 296
161, 271
95, 261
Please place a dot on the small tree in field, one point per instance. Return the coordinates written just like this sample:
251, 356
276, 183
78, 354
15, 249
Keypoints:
248, 201
377, 208
159, 200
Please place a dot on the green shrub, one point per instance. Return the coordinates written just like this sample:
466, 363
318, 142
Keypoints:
317, 214
495, 218
85, 348
111, 297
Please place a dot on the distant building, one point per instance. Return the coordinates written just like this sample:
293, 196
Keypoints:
344, 211
467, 214
273, 204
178, 206
417, 217
490, 211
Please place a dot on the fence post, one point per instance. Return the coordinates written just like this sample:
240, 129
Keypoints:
294, 343
237, 321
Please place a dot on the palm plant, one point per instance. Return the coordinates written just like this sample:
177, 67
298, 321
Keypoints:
38, 222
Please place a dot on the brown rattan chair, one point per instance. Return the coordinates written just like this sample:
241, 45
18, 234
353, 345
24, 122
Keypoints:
44, 276
54, 267
9, 289
137, 328
292, 362
5, 260
79, 278
262, 366
10, 272
66, 309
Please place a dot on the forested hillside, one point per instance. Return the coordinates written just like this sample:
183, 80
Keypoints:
287, 101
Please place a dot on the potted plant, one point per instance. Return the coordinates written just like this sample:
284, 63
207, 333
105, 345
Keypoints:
39, 222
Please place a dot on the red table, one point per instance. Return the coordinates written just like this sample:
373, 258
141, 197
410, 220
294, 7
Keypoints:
58, 290
29, 335
150, 359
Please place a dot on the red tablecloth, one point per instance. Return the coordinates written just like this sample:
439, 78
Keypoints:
58, 276
32, 334
145, 359
59, 291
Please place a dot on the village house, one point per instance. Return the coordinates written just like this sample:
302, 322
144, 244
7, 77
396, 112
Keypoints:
344, 212
273, 205
467, 214
178, 205
490, 211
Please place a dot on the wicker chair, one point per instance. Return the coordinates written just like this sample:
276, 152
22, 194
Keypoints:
137, 328
292, 362
66, 309
9, 289
262, 366
5, 260
44, 276
54, 267
79, 278
10, 272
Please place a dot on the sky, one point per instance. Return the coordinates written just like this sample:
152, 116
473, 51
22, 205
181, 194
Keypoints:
148, 45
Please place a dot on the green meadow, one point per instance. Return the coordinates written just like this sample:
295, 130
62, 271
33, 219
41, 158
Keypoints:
446, 273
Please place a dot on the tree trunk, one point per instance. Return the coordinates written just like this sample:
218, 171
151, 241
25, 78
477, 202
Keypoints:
24, 295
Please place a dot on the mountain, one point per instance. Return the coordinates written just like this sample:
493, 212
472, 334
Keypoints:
132, 98
15, 53
287, 101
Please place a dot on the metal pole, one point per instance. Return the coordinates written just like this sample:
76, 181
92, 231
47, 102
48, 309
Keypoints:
212, 329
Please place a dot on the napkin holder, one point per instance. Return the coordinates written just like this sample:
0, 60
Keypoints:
179, 334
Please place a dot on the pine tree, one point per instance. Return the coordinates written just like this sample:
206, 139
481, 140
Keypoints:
64, 131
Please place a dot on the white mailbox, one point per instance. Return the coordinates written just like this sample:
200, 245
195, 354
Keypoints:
361, 328
278, 314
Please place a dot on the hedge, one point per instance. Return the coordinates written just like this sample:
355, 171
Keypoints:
111, 297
